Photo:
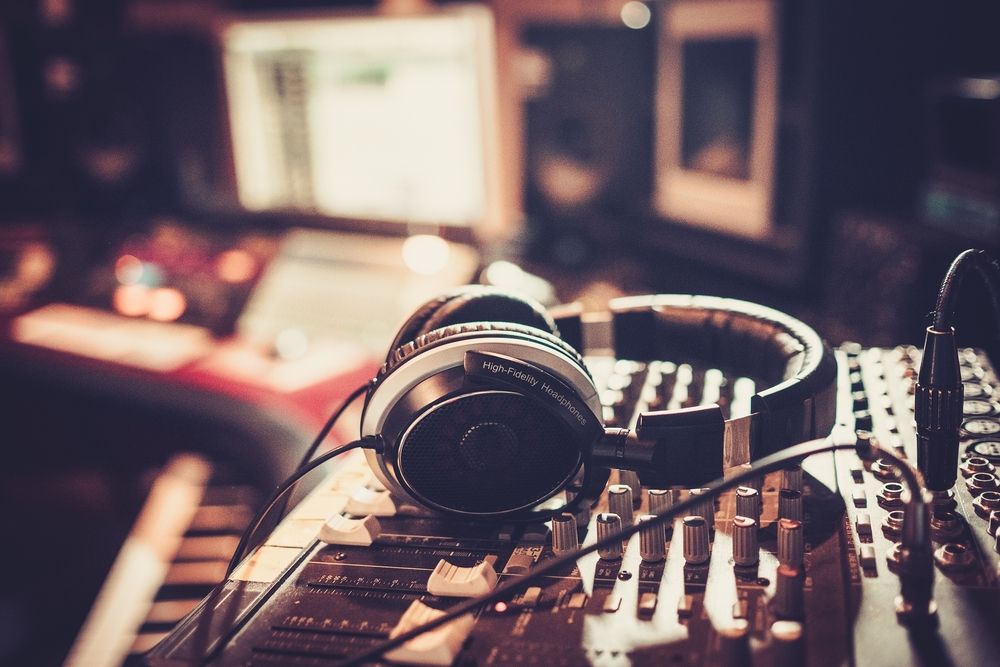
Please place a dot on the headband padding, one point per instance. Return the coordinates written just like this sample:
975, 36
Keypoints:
473, 303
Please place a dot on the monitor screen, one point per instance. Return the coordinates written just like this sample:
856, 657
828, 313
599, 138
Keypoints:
373, 117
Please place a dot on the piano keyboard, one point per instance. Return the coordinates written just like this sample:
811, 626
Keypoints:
176, 552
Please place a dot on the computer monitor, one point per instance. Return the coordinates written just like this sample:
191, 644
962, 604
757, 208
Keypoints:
370, 117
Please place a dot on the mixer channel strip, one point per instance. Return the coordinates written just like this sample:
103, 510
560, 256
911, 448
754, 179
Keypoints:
177, 551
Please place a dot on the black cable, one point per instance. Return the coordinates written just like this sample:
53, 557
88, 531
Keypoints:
325, 431
865, 449
367, 442
938, 394
988, 270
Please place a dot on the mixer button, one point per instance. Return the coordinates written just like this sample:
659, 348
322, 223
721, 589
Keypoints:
647, 605
867, 557
448, 580
863, 523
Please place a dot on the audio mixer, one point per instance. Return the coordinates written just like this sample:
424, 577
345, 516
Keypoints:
799, 567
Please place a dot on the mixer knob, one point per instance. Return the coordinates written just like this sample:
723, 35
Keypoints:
789, 649
608, 523
789, 593
791, 544
631, 479
695, 540
706, 508
660, 500
745, 549
620, 502
791, 478
734, 644
652, 548
790, 504
748, 502
564, 535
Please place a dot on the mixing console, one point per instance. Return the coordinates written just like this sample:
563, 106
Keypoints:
798, 567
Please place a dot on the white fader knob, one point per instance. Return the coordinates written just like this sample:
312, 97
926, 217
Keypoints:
439, 646
450, 580
342, 530
368, 501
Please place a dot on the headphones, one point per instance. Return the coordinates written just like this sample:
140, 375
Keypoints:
483, 410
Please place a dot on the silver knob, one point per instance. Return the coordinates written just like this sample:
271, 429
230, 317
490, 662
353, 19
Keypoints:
790, 504
564, 536
706, 508
652, 547
608, 523
748, 502
631, 479
745, 549
695, 540
789, 593
791, 478
620, 502
661, 500
791, 544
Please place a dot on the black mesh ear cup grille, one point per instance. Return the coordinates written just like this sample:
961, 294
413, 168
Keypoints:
487, 453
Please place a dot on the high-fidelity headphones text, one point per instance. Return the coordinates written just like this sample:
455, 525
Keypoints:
483, 410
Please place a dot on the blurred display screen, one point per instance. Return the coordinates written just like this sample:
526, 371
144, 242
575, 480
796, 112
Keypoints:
364, 117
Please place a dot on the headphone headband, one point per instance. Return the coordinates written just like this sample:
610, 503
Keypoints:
799, 404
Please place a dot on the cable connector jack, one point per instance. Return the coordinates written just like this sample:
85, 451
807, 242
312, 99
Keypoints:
938, 410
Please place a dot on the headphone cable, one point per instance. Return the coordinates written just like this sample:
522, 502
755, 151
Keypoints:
367, 442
